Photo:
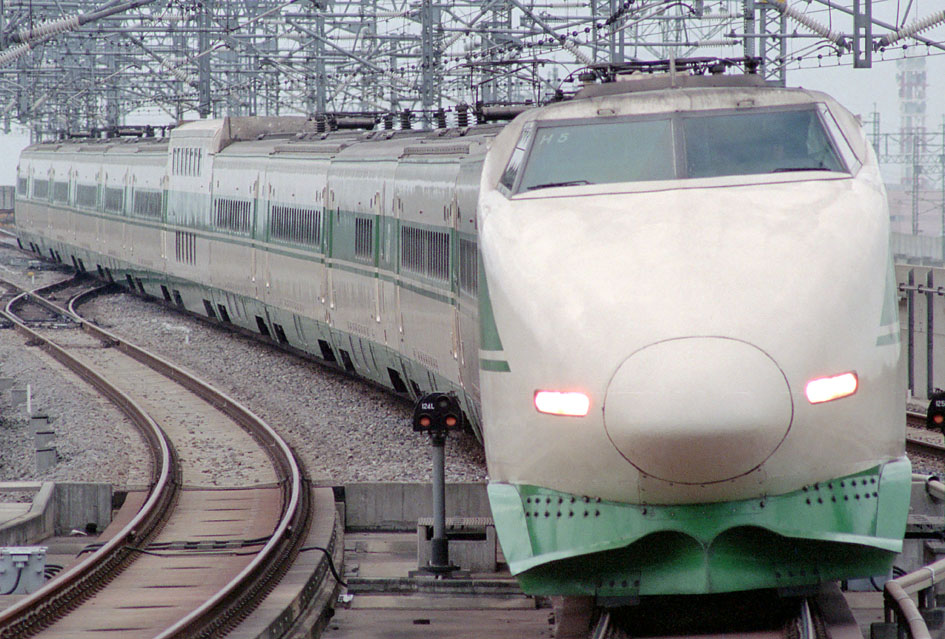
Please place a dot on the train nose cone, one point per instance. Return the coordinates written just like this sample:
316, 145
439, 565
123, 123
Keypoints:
698, 409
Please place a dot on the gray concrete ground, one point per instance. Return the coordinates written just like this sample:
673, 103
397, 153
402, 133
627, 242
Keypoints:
377, 566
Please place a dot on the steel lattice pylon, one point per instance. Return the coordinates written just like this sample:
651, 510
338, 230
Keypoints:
81, 64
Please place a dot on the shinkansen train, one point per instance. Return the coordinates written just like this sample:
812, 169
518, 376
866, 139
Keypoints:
666, 307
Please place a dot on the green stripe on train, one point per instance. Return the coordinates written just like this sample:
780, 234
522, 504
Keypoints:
494, 365
489, 339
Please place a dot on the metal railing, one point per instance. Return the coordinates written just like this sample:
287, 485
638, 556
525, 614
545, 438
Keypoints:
898, 603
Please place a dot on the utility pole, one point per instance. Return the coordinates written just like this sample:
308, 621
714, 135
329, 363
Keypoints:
203, 63
427, 66
321, 76
112, 106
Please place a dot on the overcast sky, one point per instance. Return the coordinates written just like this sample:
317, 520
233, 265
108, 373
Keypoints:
857, 89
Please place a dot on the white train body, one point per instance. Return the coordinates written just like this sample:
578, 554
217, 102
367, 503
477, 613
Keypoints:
688, 298
693, 314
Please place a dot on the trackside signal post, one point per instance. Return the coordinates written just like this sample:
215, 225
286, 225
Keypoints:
436, 414
935, 416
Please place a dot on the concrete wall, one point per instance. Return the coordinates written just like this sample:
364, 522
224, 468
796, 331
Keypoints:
34, 526
57, 509
386, 506
80, 504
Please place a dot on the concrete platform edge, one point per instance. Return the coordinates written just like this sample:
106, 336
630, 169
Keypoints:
322, 608
34, 526
302, 602
57, 508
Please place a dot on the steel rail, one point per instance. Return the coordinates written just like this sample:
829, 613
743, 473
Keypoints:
238, 597
70, 588
917, 420
926, 447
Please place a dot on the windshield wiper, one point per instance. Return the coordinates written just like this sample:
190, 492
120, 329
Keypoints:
548, 185
787, 169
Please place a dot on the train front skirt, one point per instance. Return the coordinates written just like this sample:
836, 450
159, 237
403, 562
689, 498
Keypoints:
557, 543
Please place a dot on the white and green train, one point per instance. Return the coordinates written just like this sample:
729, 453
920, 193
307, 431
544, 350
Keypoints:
665, 305
362, 253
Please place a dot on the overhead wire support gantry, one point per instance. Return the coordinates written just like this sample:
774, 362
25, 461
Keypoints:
84, 64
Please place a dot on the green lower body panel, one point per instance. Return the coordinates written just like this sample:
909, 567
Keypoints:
556, 543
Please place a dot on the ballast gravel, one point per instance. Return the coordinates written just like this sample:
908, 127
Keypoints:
94, 441
343, 429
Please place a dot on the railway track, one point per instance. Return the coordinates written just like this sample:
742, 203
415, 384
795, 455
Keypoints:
193, 559
750, 615
922, 441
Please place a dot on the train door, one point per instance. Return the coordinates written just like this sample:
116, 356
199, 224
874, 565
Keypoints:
398, 214
264, 187
378, 210
260, 210
466, 274
400, 344
323, 292
164, 185
330, 214
452, 213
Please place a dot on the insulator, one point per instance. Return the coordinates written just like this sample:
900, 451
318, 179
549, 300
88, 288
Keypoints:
13, 53
440, 118
821, 30
49, 29
388, 121
570, 46
405, 119
916, 27
462, 115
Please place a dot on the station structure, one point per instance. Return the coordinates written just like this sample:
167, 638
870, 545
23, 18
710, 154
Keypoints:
97, 66
74, 65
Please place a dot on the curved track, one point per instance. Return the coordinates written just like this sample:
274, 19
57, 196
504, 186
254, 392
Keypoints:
194, 559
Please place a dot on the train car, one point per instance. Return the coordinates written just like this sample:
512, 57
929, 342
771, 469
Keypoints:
357, 248
697, 389
666, 305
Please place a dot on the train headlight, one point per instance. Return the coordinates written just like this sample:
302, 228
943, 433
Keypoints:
569, 404
826, 389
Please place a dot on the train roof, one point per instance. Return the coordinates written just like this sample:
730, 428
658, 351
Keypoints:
286, 136
626, 98
637, 83
299, 136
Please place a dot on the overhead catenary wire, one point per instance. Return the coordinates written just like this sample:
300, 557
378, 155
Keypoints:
279, 66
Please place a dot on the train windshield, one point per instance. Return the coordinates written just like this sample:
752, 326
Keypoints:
750, 143
674, 147
628, 151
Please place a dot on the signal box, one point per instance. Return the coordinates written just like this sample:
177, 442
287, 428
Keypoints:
437, 412
935, 416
